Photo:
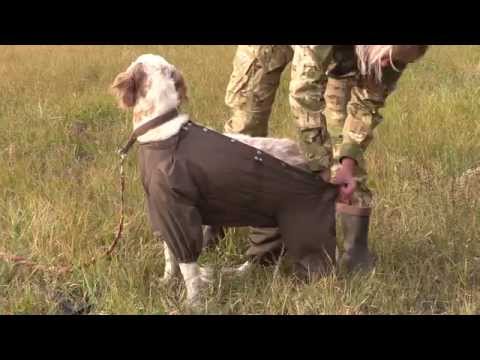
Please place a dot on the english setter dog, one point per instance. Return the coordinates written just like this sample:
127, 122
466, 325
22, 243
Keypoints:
153, 87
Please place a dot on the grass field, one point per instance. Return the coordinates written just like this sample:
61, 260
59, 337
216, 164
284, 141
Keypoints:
59, 191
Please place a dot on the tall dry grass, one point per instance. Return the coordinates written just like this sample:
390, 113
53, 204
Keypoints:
59, 193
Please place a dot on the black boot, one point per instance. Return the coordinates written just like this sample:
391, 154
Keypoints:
355, 234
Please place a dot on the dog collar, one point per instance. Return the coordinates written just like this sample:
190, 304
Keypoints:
143, 129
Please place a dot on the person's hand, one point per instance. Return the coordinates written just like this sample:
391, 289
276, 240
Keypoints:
345, 179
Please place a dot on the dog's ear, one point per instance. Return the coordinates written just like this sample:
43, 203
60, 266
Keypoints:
180, 85
128, 86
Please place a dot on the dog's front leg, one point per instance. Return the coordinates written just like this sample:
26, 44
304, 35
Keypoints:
196, 280
171, 265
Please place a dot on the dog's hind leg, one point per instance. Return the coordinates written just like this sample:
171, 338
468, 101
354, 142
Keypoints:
237, 271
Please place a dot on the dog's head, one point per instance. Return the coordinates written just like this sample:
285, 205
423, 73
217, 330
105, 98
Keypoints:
152, 82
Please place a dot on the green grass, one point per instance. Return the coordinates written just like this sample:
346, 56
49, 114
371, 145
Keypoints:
59, 191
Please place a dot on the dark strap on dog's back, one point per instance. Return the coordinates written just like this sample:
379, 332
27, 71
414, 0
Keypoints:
149, 125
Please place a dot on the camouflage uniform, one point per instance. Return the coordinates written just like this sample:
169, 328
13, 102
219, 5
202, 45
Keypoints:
253, 84
335, 114
352, 112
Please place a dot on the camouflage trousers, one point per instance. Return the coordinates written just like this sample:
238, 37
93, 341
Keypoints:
330, 112
335, 111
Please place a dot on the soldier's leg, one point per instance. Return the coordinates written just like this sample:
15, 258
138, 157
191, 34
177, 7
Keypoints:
342, 74
307, 90
363, 117
306, 97
257, 70
250, 95
337, 96
265, 246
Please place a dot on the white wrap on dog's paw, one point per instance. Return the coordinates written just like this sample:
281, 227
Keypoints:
192, 275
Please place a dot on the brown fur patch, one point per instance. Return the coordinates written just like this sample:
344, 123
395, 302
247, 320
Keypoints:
129, 86
180, 85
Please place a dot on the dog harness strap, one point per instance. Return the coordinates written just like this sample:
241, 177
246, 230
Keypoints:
149, 125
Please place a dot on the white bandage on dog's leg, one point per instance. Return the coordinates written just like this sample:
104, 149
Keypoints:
171, 265
192, 275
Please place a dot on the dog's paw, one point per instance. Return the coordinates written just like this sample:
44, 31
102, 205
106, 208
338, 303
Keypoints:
197, 294
237, 271
197, 282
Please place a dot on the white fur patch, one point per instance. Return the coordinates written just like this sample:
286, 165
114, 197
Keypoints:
284, 149
165, 131
171, 265
153, 60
